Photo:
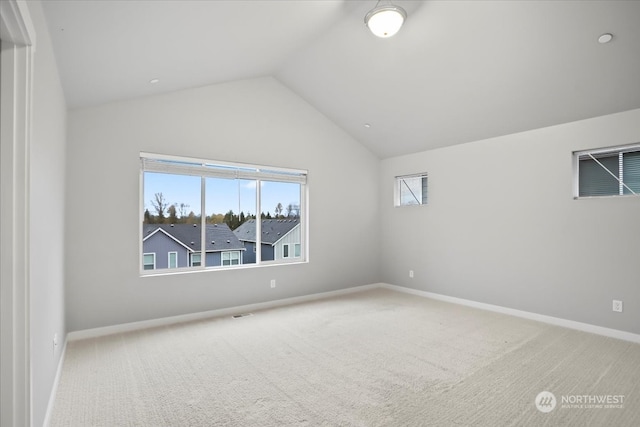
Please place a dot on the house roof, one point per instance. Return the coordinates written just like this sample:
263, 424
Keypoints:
219, 237
272, 229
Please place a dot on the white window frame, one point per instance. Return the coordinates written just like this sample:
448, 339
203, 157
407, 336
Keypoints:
397, 193
286, 253
169, 259
161, 163
593, 154
231, 259
191, 259
153, 254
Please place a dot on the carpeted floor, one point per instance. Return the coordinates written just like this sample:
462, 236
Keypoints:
374, 358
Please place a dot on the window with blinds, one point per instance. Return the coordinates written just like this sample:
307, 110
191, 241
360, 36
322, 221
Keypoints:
200, 214
608, 172
411, 190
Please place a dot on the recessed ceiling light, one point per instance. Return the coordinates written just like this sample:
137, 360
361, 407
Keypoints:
605, 38
154, 81
367, 125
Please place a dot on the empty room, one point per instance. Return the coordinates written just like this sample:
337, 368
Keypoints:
320, 213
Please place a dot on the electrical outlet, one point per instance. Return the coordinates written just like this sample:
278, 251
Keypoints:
273, 283
617, 306
411, 274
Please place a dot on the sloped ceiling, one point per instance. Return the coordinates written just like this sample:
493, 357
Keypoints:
458, 71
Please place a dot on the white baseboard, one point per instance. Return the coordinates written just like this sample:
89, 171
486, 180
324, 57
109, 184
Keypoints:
54, 388
126, 327
585, 327
108, 330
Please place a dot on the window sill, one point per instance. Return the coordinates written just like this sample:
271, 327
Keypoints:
181, 271
617, 196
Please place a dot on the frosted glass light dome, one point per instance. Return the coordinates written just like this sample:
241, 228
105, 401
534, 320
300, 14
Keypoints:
385, 21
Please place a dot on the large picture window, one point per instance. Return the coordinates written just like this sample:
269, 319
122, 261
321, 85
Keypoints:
201, 214
608, 172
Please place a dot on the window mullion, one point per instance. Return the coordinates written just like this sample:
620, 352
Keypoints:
203, 223
303, 224
620, 175
258, 224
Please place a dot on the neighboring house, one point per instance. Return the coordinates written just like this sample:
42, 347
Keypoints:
280, 239
178, 245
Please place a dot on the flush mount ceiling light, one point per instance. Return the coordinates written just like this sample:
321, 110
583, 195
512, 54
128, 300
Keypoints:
385, 20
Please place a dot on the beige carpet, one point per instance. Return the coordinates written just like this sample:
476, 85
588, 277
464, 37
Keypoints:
374, 358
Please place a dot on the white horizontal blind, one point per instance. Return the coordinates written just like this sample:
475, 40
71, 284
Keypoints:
631, 172
212, 170
598, 177
609, 172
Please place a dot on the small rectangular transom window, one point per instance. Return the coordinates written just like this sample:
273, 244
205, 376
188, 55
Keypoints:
608, 172
411, 190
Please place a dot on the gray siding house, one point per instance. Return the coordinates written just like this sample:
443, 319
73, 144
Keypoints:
280, 239
179, 245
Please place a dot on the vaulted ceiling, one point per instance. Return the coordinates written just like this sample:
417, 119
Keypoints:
458, 71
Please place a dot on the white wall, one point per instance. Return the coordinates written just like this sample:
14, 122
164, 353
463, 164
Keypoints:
254, 121
502, 227
47, 205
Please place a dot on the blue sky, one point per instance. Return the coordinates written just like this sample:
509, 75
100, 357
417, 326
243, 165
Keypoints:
222, 195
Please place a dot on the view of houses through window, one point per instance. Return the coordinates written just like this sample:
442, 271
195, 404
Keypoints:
201, 214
